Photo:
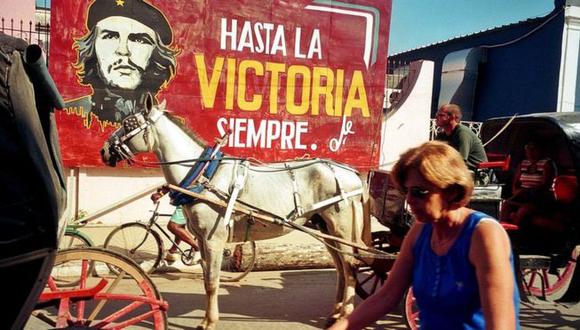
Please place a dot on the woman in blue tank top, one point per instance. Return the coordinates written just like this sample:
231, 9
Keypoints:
458, 261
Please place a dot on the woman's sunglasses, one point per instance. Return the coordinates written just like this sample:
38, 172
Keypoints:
419, 193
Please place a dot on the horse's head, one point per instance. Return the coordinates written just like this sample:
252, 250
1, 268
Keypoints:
133, 137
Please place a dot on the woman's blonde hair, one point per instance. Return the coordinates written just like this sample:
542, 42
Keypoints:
439, 164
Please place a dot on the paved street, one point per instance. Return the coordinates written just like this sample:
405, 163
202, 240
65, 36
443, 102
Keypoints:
297, 299
300, 300
294, 300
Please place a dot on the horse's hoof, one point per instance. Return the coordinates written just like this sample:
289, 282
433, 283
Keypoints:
204, 326
330, 321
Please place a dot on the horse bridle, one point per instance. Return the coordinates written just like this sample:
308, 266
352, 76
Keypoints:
133, 124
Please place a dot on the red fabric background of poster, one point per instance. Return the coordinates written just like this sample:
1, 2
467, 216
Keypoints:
348, 37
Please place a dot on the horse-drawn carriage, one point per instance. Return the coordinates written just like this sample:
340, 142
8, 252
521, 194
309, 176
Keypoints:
547, 242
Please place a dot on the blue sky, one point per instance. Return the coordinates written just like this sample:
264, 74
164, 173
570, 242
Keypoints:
43, 3
416, 23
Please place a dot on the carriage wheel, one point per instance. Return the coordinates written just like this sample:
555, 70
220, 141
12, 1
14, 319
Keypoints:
411, 313
368, 281
101, 299
551, 283
140, 244
238, 261
74, 239
371, 275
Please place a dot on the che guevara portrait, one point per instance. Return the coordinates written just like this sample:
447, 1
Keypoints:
125, 55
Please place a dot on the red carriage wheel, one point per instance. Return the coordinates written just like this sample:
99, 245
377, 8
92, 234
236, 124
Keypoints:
82, 292
548, 282
411, 313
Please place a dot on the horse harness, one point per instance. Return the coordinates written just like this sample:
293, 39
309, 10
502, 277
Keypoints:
133, 125
193, 192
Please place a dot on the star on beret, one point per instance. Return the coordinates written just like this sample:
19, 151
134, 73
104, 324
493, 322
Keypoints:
139, 10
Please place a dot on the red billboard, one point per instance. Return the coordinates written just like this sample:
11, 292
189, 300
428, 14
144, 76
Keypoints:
288, 78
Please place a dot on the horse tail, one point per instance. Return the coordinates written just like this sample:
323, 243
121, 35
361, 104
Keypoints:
366, 232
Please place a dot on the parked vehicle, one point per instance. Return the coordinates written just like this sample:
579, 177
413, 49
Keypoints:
553, 234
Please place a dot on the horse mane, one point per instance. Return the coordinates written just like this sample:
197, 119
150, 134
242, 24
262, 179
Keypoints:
180, 122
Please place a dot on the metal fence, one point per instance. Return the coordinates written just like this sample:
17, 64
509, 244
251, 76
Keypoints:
475, 126
396, 83
38, 33
397, 72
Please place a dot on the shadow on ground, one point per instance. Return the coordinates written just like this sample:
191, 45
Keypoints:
286, 299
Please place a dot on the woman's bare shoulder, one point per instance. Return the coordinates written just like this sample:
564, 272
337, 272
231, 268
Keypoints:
489, 237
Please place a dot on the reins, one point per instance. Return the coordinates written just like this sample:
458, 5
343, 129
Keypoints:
260, 167
501, 130
276, 219
139, 122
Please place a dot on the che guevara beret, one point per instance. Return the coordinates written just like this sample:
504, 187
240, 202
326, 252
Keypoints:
138, 10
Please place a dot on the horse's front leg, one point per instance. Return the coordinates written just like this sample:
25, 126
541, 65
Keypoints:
348, 267
340, 224
339, 293
212, 259
348, 261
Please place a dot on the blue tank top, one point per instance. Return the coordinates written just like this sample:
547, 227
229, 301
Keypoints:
446, 286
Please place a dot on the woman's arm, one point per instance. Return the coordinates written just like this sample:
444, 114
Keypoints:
389, 295
490, 254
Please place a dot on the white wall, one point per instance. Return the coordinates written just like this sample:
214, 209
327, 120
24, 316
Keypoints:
408, 125
569, 60
97, 193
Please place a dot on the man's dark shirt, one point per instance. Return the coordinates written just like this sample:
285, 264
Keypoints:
467, 143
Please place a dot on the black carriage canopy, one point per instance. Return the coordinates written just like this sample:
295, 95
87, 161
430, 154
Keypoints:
32, 184
559, 133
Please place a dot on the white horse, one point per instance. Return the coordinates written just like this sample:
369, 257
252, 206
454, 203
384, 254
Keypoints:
296, 190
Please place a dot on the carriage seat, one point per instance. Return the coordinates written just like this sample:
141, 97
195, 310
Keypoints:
549, 228
565, 189
556, 216
509, 227
484, 173
496, 161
